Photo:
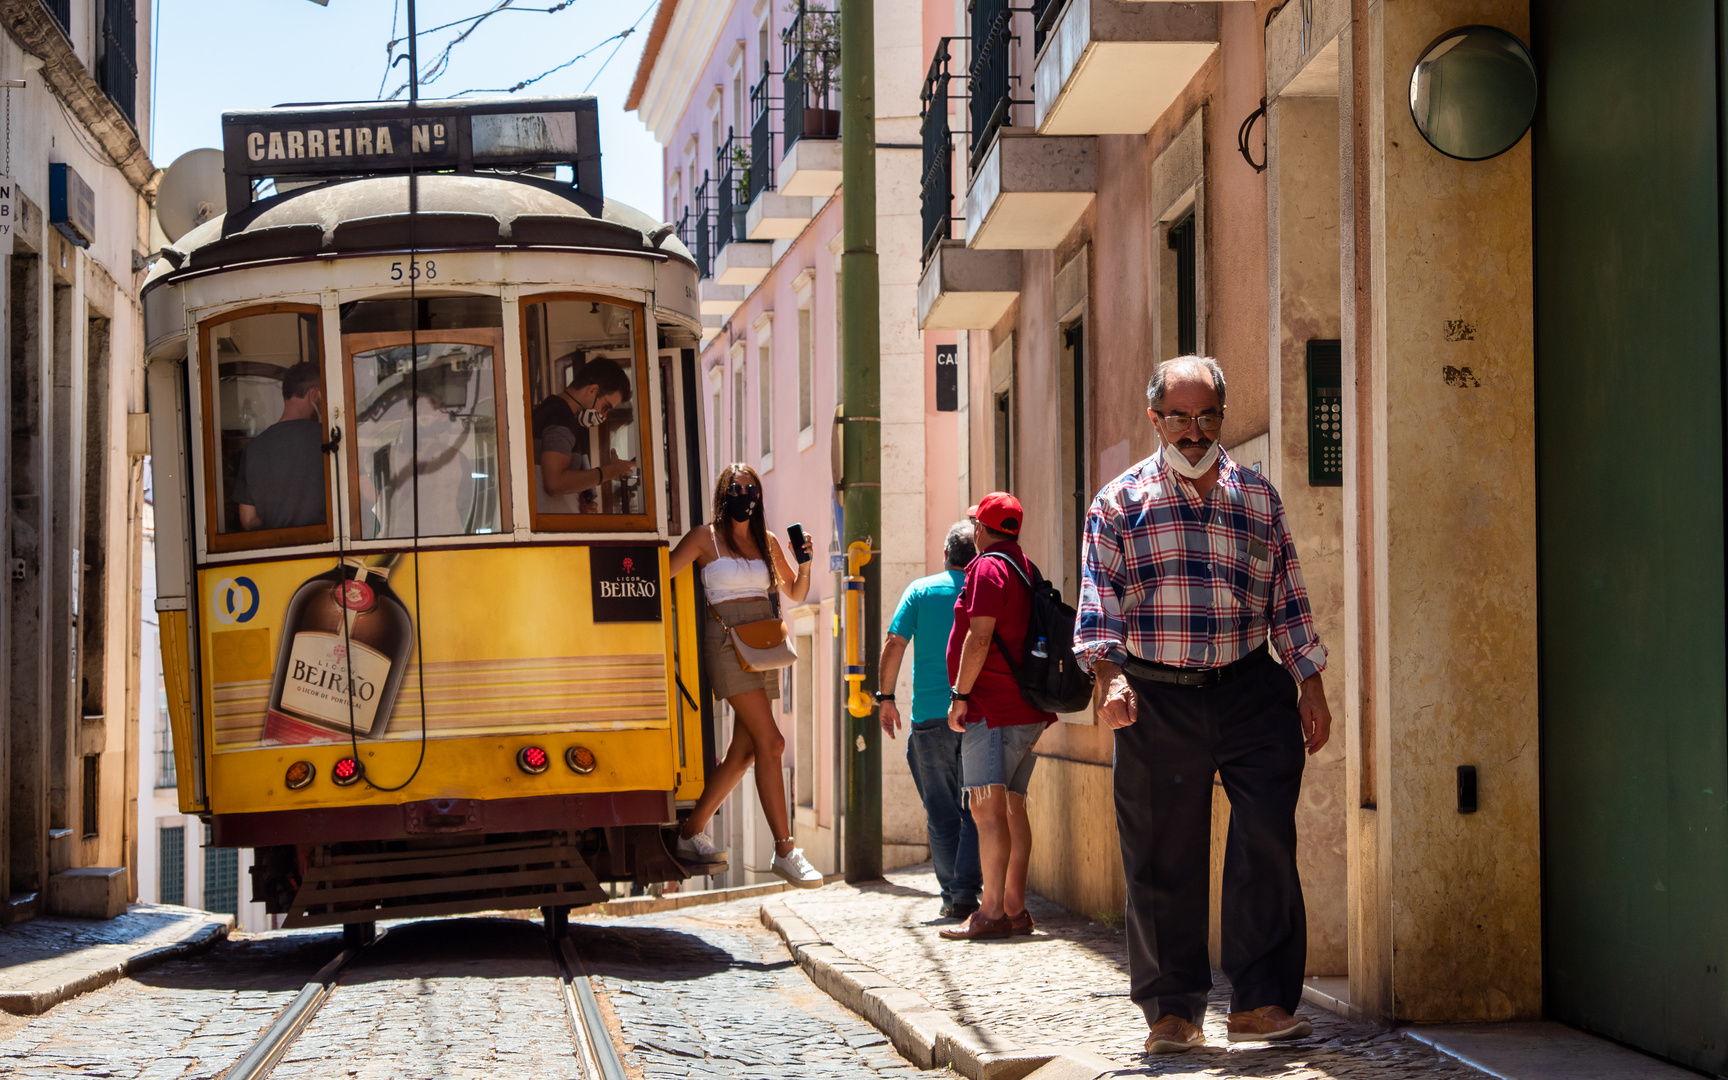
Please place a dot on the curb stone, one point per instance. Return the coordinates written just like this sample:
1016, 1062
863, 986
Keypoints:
922, 1033
654, 905
34, 1002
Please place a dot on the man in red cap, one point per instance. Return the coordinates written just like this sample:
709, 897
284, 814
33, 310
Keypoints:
998, 728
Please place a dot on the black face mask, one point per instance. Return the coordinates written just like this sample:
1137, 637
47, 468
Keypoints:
740, 506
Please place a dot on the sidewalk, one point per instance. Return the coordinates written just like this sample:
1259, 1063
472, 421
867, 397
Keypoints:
45, 961
1067, 987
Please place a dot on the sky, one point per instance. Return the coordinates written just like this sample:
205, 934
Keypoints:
213, 55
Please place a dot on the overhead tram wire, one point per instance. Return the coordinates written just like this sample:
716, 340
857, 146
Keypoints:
437, 68
651, 6
591, 50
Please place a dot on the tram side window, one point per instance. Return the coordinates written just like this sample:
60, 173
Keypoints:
268, 426
584, 387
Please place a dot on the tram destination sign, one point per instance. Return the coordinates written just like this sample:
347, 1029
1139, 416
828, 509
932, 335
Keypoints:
321, 142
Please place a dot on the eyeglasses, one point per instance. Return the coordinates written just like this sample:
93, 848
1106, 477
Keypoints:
743, 489
1178, 423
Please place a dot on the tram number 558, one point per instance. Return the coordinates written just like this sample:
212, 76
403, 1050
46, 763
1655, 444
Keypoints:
415, 269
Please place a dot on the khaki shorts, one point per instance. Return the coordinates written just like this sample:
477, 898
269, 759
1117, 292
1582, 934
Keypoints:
726, 676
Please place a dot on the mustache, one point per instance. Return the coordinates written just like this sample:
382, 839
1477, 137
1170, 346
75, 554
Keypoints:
1198, 444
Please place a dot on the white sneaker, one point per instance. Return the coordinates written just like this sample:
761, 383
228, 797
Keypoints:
698, 850
796, 870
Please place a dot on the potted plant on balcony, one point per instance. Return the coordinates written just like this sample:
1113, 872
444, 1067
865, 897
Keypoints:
818, 48
741, 190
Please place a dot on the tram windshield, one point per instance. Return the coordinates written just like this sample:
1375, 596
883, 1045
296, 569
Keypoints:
265, 417
425, 458
585, 392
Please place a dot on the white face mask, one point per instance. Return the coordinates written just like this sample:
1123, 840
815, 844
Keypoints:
590, 418
1173, 458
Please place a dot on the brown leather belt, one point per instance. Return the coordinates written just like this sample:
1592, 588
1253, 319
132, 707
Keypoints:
1137, 668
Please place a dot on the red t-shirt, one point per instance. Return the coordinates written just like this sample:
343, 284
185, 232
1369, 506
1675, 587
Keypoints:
994, 590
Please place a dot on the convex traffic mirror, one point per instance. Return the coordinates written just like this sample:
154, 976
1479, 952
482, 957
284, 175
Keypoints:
1473, 92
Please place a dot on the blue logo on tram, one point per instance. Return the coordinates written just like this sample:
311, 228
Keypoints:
234, 600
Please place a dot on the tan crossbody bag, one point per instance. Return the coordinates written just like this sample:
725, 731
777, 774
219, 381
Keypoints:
762, 645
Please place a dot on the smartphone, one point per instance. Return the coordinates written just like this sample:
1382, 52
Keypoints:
795, 533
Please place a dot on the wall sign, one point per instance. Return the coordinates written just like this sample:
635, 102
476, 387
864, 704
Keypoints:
947, 378
71, 205
626, 583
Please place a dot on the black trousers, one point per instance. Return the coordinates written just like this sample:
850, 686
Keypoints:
1248, 731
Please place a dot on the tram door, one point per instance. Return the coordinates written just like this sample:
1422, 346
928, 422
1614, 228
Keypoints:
1629, 306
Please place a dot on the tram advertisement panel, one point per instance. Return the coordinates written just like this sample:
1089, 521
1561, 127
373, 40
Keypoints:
469, 641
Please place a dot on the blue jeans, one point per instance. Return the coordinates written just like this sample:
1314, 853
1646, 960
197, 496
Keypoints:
933, 752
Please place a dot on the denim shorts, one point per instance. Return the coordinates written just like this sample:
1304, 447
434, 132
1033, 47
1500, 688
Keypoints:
998, 756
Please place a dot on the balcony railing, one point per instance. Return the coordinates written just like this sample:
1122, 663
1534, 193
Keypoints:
762, 110
937, 193
696, 227
117, 55
809, 99
1044, 16
731, 190
989, 82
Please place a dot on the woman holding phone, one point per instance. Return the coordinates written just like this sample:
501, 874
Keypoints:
743, 568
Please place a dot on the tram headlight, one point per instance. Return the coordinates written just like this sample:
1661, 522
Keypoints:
347, 771
531, 760
299, 775
580, 759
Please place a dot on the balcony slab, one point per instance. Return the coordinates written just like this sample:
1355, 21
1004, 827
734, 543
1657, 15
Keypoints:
775, 215
1111, 67
965, 289
1030, 190
811, 168
743, 262
718, 299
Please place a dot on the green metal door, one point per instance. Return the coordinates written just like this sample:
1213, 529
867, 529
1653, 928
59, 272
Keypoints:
1629, 317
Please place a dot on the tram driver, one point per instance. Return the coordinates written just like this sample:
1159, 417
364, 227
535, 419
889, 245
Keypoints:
280, 482
561, 437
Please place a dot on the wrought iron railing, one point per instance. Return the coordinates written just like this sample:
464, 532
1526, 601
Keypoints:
762, 110
1044, 16
117, 55
731, 190
989, 84
695, 227
937, 188
62, 12
811, 47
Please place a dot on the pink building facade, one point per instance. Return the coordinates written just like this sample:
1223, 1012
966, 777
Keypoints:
752, 167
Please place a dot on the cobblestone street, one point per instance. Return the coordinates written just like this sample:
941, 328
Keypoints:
712, 994
1067, 985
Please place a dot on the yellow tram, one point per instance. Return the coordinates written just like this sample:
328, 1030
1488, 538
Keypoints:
418, 658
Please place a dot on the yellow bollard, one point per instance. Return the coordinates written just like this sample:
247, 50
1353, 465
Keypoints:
858, 703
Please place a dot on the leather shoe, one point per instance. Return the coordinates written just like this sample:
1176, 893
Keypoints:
1174, 1035
1021, 923
1268, 1023
977, 927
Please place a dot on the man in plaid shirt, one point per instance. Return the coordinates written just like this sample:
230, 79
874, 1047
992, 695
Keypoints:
1188, 567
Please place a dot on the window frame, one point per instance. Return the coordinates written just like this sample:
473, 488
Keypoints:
366, 341
300, 535
648, 520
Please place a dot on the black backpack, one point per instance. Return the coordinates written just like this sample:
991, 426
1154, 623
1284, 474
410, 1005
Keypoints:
1050, 679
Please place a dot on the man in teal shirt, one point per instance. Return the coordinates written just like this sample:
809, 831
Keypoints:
924, 618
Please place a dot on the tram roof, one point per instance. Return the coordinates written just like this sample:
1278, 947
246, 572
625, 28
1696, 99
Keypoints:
456, 210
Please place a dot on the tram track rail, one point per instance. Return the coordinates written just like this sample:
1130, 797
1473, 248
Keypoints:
594, 1048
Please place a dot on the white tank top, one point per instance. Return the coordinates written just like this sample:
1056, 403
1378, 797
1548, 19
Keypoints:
728, 578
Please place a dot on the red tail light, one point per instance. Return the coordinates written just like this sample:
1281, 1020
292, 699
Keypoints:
531, 760
346, 771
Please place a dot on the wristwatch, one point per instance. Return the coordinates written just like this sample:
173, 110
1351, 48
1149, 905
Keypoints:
881, 697
954, 694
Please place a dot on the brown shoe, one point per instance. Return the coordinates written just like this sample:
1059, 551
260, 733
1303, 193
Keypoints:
1021, 923
1268, 1023
1174, 1035
977, 927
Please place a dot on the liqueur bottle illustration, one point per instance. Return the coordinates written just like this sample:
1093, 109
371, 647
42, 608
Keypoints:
346, 637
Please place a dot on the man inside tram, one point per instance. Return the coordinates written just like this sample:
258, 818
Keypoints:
562, 424
280, 482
